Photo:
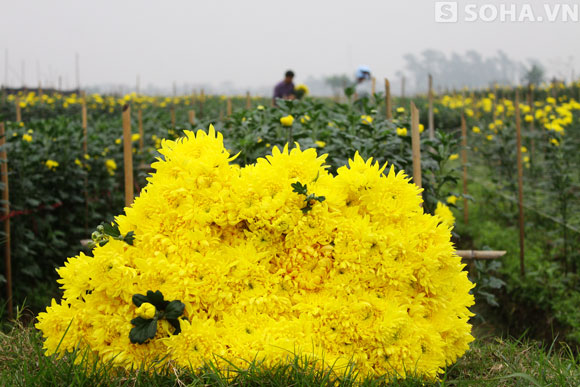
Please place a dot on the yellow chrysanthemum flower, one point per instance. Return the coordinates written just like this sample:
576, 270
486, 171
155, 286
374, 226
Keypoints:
401, 132
273, 258
445, 215
51, 164
287, 120
367, 120
454, 156
27, 137
146, 311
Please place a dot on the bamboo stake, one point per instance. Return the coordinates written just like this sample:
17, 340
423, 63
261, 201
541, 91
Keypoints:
480, 254
84, 122
248, 101
6, 198
373, 86
201, 100
431, 116
172, 111
464, 162
388, 107
127, 155
403, 87
192, 117
416, 145
520, 183
532, 124
140, 125
229, 106
18, 112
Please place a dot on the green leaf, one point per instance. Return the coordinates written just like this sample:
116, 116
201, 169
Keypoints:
156, 298
175, 324
139, 299
129, 238
174, 309
111, 230
144, 330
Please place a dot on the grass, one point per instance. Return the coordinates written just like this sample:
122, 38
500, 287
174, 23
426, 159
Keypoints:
490, 362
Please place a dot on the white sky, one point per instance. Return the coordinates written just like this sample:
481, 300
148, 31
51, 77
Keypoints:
250, 42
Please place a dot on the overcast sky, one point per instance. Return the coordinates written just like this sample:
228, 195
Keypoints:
250, 42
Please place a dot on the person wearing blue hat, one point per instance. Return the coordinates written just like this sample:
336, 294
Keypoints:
363, 86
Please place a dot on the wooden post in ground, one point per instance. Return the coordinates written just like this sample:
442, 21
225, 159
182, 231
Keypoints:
229, 106
6, 205
84, 121
248, 101
416, 145
464, 162
172, 111
373, 86
388, 107
141, 133
402, 87
127, 155
192, 117
431, 116
201, 100
520, 183
18, 111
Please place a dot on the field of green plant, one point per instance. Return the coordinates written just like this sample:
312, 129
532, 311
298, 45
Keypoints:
526, 323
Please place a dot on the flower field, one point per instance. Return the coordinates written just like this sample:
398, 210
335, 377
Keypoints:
259, 233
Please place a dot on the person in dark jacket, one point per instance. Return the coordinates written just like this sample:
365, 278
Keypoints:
285, 88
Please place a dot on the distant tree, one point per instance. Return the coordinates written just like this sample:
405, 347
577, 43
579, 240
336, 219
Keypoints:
534, 75
337, 82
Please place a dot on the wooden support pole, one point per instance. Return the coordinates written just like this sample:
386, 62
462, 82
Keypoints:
201, 101
388, 106
172, 112
520, 183
373, 86
248, 101
431, 115
18, 111
480, 254
192, 117
416, 145
140, 126
229, 106
6, 205
84, 122
464, 162
127, 155
532, 124
402, 87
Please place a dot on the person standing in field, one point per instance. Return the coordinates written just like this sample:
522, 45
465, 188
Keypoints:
363, 86
285, 88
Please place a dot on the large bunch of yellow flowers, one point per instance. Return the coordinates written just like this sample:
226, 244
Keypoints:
273, 259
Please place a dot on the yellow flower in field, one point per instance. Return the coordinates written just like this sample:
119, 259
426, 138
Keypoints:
146, 311
401, 132
135, 137
469, 112
78, 162
305, 119
400, 109
454, 156
526, 159
498, 122
302, 89
87, 156
555, 141
476, 129
27, 137
489, 137
21, 124
111, 166
30, 131
259, 256
528, 118
260, 107
445, 215
452, 199
491, 126
421, 128
259, 140
499, 109
51, 164
320, 144
367, 120
118, 141
551, 100
287, 120
524, 149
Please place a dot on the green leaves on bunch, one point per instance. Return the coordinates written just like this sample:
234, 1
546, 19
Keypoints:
105, 231
145, 329
302, 189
